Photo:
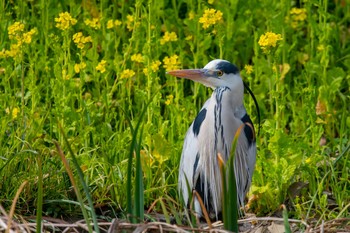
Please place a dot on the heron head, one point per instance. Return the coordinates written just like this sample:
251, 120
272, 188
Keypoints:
217, 73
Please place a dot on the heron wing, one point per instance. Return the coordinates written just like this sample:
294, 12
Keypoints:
245, 158
190, 157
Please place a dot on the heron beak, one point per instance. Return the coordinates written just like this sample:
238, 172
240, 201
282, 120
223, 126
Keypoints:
192, 74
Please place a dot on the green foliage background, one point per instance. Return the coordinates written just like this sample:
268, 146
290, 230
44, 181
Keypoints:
302, 86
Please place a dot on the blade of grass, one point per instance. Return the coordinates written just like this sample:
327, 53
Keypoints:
190, 216
229, 188
165, 212
13, 206
135, 148
341, 155
39, 204
285, 220
72, 180
139, 197
82, 181
204, 210
224, 189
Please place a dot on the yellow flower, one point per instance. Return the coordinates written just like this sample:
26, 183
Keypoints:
14, 29
127, 73
27, 37
168, 37
297, 16
117, 23
15, 112
171, 63
65, 76
101, 66
190, 37
191, 15
320, 47
137, 57
130, 22
79, 39
15, 49
94, 23
16, 32
210, 1
248, 69
155, 65
274, 68
210, 17
64, 21
269, 39
78, 67
146, 71
3, 53
112, 24
169, 99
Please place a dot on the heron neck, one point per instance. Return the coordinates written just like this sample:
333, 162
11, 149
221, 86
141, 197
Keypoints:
230, 97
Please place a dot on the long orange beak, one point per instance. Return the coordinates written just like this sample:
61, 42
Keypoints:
192, 74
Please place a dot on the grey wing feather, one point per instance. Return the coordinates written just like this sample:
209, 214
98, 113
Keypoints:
190, 156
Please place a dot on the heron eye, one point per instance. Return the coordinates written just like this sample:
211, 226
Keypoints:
220, 73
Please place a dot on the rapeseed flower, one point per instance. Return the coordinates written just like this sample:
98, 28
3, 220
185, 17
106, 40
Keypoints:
268, 40
65, 76
3, 53
137, 58
27, 36
191, 15
111, 24
321, 47
248, 69
154, 67
127, 73
274, 68
169, 99
190, 37
210, 17
79, 66
171, 63
15, 49
64, 21
297, 16
94, 23
15, 112
15, 29
130, 22
168, 37
101, 66
80, 40
16, 32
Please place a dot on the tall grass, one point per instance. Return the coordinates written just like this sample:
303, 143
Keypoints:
302, 86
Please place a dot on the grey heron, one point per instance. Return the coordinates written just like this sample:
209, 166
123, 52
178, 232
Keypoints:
212, 132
